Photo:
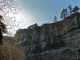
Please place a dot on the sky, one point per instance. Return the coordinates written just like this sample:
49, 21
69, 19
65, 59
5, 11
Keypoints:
41, 11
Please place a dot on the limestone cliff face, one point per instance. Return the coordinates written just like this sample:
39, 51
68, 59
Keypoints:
54, 41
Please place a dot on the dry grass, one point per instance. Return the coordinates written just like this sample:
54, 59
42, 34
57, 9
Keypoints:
10, 52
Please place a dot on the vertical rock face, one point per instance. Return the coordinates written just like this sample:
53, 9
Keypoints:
54, 41
22, 34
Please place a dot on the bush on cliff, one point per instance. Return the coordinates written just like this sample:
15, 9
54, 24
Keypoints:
37, 49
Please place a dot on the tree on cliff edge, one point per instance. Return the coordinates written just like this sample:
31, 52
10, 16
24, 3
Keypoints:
55, 19
70, 8
64, 13
76, 9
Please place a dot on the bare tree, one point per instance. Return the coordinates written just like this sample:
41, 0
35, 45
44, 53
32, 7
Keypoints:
8, 9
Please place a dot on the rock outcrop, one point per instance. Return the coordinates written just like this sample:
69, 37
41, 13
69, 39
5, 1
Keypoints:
54, 41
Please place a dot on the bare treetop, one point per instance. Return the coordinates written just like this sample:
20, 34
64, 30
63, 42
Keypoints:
8, 9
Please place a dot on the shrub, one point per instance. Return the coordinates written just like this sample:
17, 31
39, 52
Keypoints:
11, 52
37, 49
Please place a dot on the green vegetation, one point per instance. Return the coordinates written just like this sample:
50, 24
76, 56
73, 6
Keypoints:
64, 13
68, 11
76, 9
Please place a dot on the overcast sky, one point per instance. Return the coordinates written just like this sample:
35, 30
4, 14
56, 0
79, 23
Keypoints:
42, 11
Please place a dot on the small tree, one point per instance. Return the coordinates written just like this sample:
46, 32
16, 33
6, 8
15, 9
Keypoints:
70, 8
55, 19
64, 13
76, 9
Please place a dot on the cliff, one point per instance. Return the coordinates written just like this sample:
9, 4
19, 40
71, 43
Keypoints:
54, 41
